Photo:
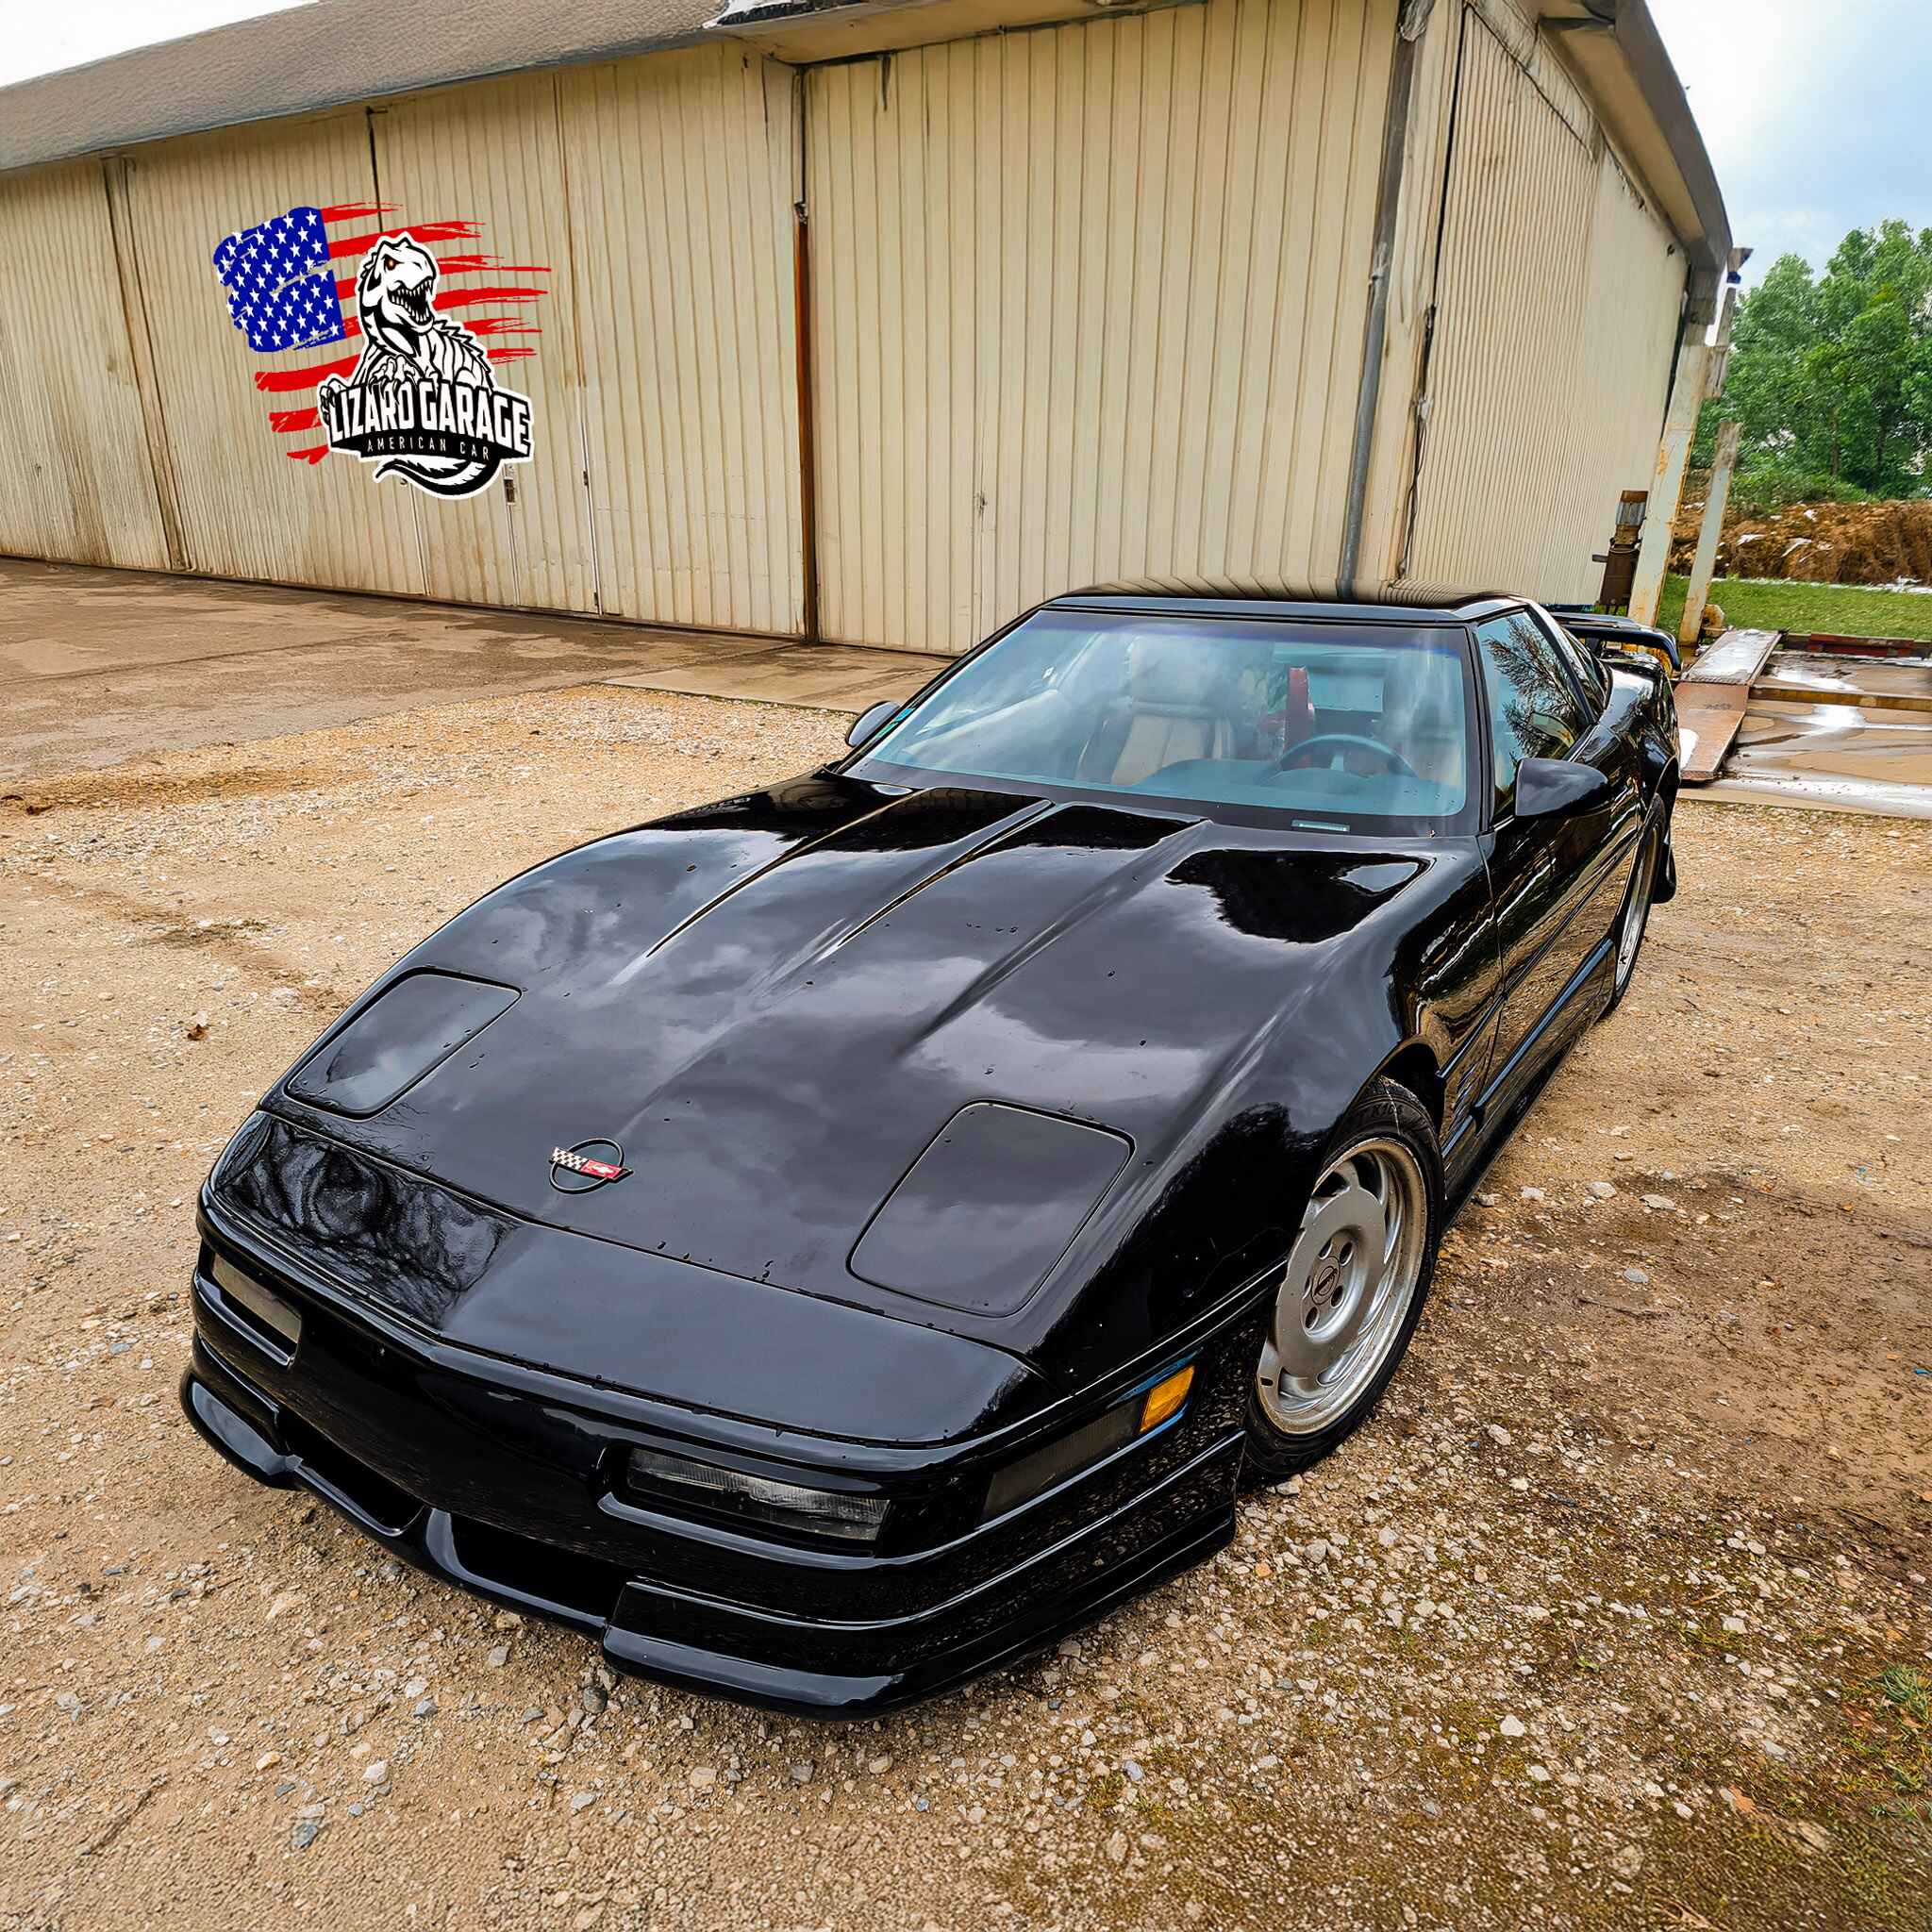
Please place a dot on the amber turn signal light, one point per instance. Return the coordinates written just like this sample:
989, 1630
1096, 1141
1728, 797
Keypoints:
1165, 1398
1054, 1462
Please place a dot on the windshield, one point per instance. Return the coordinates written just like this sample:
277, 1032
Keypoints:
1326, 722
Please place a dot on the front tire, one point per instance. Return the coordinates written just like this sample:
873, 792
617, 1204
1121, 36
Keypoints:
1352, 1290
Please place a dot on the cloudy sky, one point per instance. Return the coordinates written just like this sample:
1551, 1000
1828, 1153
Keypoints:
1817, 113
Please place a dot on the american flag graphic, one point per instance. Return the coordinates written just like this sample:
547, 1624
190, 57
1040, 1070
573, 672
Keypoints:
283, 294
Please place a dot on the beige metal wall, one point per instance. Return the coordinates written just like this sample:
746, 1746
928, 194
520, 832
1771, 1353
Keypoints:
656, 194
493, 155
1622, 382
247, 510
1557, 303
682, 175
1090, 304
76, 482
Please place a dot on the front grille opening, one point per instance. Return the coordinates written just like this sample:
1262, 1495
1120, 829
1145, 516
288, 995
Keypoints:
581, 1585
371, 1496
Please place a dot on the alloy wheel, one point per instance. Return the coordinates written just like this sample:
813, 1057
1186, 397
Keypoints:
1350, 1278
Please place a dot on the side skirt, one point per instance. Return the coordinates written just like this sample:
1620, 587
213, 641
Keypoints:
1490, 1123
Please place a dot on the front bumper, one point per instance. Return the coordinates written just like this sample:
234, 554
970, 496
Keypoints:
462, 1468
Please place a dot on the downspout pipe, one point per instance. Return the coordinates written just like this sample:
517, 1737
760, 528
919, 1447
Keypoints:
1410, 26
809, 619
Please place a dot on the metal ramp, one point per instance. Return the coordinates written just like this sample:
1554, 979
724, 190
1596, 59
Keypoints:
1712, 697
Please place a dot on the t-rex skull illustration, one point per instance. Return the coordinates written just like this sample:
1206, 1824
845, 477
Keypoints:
394, 292
395, 296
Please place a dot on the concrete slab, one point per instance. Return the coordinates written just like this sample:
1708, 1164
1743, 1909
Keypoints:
98, 667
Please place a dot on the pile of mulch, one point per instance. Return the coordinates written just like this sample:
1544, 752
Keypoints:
1816, 542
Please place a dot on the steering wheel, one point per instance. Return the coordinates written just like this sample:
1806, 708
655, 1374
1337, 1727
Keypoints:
1345, 740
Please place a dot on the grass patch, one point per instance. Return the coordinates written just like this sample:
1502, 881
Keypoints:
1891, 1720
1852, 610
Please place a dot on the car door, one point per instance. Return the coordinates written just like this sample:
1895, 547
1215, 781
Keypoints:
1547, 875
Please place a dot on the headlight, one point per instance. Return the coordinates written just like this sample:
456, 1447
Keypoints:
1141, 1414
756, 1499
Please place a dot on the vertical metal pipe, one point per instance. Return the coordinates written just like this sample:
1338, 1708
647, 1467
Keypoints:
1409, 28
807, 459
1699, 373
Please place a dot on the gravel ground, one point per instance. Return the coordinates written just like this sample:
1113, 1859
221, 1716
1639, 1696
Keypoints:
1615, 1614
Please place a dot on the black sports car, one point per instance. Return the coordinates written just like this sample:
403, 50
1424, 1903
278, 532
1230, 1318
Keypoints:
834, 1241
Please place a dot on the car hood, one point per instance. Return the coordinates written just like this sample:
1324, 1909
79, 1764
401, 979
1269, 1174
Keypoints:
774, 1005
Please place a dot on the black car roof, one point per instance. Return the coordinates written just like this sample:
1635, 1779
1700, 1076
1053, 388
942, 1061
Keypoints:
1410, 603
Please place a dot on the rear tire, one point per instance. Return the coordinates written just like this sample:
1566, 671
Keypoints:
1352, 1291
1633, 921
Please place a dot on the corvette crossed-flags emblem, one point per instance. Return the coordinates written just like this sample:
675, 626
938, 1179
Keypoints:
582, 1163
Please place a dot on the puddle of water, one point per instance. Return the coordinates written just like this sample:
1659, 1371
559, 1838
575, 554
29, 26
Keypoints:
1838, 755
1870, 677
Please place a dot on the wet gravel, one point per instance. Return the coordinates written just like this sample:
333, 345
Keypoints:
1616, 1612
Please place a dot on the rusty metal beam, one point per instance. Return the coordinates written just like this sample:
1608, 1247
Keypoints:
1410, 26
1688, 392
1737, 658
1713, 698
1704, 562
1667, 481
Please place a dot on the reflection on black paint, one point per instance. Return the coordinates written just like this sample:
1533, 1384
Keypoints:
925, 821
1300, 898
1201, 1235
1095, 828
851, 814
747, 813
402, 1242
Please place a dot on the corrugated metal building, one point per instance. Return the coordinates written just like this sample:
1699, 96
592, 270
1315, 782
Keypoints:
881, 322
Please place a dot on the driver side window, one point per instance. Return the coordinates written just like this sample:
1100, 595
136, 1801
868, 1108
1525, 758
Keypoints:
1534, 710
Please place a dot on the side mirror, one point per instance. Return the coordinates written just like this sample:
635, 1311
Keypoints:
1555, 788
870, 723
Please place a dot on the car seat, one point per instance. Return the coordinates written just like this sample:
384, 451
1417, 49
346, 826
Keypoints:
1175, 710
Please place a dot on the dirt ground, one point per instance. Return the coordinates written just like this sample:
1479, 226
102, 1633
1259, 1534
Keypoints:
1815, 542
1615, 1614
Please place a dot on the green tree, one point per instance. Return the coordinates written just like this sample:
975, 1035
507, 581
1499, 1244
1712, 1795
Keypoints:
1831, 379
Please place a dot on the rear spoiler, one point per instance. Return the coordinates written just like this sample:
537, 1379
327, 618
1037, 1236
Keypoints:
1597, 629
